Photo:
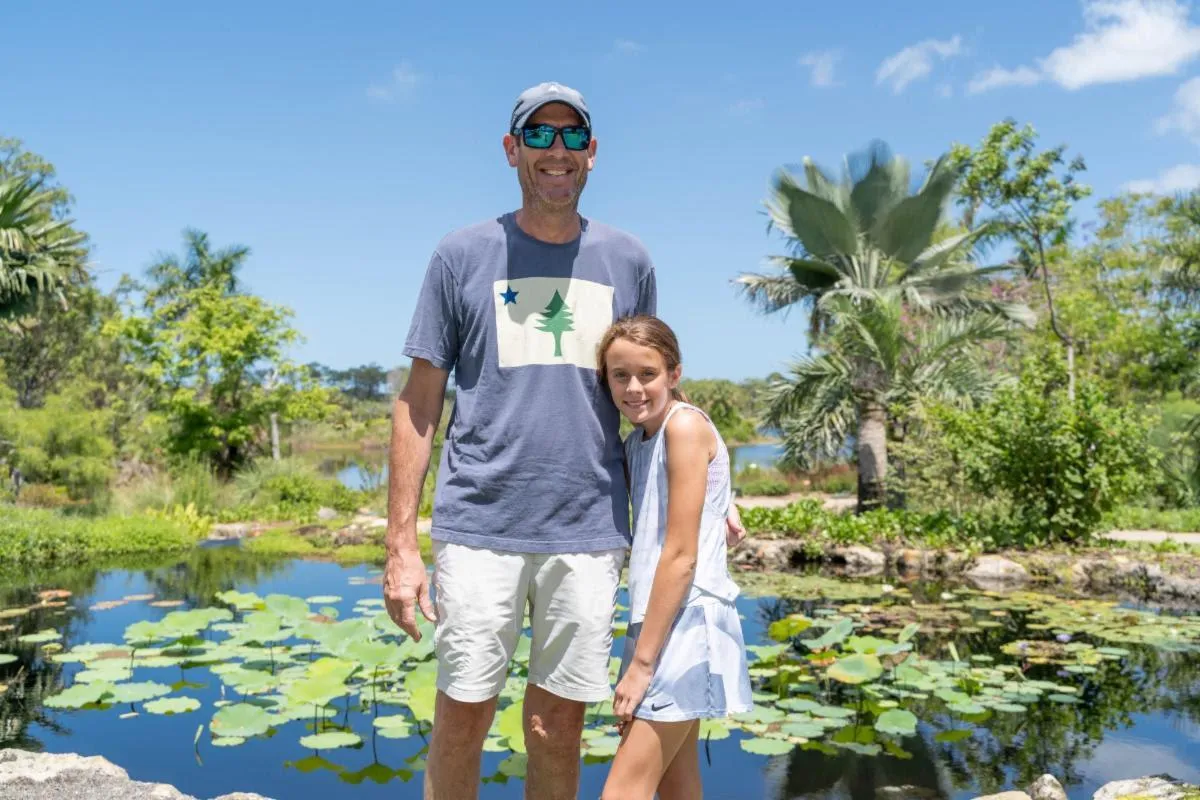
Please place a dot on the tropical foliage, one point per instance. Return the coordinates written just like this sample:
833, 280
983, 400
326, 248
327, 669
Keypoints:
880, 285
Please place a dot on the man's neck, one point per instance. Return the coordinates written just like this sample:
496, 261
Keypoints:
553, 228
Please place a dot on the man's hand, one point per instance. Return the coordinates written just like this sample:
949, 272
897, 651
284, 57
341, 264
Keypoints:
406, 586
734, 530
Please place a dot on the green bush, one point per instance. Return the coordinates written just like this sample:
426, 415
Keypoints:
1060, 465
765, 487
36, 536
63, 444
1173, 520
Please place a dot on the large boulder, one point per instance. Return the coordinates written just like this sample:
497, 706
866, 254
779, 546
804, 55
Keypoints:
69, 776
1155, 787
858, 560
1047, 787
996, 571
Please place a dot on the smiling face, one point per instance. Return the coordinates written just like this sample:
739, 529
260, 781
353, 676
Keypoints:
551, 179
640, 382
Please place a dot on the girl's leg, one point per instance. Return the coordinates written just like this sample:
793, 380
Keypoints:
681, 781
646, 750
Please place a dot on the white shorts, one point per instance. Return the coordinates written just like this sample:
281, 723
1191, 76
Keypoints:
481, 595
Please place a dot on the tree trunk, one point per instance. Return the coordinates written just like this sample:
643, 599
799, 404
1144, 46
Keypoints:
872, 456
274, 436
1071, 371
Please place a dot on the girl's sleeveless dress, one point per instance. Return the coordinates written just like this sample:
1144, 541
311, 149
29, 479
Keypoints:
702, 670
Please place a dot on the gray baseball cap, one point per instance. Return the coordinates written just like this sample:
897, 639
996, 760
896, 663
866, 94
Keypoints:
535, 97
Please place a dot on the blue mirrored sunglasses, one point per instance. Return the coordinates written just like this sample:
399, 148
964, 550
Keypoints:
541, 137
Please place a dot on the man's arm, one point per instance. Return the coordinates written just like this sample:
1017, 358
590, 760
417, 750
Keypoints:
415, 418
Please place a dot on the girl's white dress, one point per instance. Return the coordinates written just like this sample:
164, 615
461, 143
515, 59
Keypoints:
702, 670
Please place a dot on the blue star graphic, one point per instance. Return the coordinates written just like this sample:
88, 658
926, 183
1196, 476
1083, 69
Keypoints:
510, 296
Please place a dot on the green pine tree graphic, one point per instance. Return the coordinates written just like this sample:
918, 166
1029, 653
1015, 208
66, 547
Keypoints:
556, 319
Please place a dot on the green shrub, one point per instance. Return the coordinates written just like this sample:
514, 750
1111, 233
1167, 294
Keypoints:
63, 444
1173, 520
1060, 465
44, 495
194, 483
36, 536
765, 487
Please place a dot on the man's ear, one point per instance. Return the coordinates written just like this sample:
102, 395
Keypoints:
510, 149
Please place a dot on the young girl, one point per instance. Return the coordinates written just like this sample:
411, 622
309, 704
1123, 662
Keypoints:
684, 658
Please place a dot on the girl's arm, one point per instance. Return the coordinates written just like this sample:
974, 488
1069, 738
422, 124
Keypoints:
690, 447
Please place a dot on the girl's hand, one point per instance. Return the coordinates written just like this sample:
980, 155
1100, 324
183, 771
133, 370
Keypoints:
735, 531
630, 692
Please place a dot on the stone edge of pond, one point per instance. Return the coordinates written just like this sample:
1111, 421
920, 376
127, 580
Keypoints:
1168, 578
69, 776
1153, 787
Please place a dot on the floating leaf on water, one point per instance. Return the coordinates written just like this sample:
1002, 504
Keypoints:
228, 741
53, 594
1063, 698
240, 720
805, 730
7, 658
492, 744
323, 599
106, 605
138, 692
330, 740
515, 765
79, 695
897, 722
1010, 708
47, 635
767, 747
764, 714
785, 629
174, 705
856, 669
714, 729
603, 746
511, 726
952, 736
168, 603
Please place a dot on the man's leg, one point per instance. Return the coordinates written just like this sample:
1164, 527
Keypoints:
456, 748
553, 727
573, 597
480, 596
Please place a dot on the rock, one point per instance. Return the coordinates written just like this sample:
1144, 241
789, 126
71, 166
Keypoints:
1047, 787
1156, 787
370, 521
324, 513
858, 559
227, 531
911, 560
68, 776
351, 534
906, 792
770, 554
950, 561
1005, 796
992, 571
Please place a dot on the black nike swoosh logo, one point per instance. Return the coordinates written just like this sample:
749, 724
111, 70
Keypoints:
660, 708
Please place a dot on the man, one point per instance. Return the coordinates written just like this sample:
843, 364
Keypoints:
531, 506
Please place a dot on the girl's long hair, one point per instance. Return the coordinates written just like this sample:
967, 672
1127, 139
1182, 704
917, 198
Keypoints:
645, 331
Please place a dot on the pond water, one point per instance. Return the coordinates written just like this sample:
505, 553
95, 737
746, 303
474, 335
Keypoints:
1125, 702
368, 470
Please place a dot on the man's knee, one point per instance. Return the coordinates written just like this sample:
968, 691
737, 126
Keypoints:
553, 724
465, 723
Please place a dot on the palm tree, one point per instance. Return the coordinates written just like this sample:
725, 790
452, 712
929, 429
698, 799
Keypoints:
39, 255
868, 262
171, 276
876, 365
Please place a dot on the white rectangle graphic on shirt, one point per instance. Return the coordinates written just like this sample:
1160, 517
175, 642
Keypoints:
550, 320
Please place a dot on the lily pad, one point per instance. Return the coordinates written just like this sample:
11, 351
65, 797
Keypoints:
172, 705
767, 747
897, 722
330, 740
241, 720
856, 669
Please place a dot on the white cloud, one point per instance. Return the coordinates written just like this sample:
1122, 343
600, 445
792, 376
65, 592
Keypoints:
915, 62
1122, 755
945, 90
748, 106
628, 47
1185, 115
402, 83
821, 63
1179, 178
996, 77
1123, 40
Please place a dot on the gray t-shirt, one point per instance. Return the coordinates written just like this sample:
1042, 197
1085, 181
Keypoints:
532, 459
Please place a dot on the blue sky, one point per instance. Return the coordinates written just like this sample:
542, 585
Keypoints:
341, 141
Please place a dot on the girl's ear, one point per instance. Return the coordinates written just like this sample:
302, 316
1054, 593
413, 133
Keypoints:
676, 376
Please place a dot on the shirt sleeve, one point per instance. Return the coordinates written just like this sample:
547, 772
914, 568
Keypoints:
433, 334
648, 292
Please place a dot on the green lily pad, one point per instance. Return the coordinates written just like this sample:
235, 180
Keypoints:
228, 741
138, 692
897, 722
767, 747
240, 720
856, 669
7, 658
172, 705
41, 637
514, 766
330, 740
